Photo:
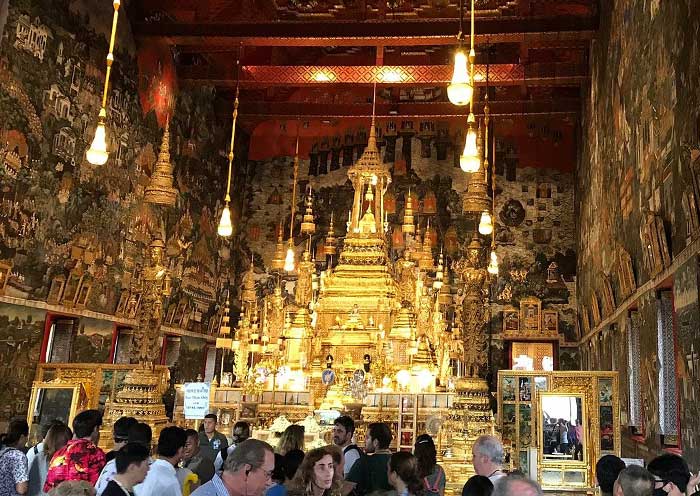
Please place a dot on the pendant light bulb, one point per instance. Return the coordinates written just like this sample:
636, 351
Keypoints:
97, 154
460, 89
289, 262
225, 226
493, 263
469, 161
485, 223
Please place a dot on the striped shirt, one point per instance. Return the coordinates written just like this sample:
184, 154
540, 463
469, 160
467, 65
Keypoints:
214, 487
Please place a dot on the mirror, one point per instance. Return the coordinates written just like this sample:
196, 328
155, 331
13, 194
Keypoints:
50, 401
563, 431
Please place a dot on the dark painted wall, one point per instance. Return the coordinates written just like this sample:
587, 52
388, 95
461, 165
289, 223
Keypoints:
639, 159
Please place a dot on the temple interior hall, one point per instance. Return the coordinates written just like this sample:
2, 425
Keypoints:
457, 217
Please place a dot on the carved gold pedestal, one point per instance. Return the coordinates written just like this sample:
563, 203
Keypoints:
141, 397
469, 418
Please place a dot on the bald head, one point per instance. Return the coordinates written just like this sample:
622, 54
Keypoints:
516, 485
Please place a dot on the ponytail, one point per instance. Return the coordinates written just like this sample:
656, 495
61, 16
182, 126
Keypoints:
404, 464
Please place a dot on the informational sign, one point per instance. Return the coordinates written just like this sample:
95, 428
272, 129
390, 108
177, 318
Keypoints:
196, 400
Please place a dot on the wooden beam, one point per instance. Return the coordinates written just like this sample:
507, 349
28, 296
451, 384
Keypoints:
368, 33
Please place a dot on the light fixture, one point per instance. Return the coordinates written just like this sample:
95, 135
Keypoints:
493, 263
289, 259
485, 223
97, 154
323, 76
470, 161
391, 75
225, 228
460, 91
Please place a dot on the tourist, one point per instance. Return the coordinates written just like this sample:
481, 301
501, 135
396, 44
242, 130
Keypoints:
292, 462
338, 464
315, 475
239, 433
162, 479
14, 471
429, 471
292, 438
487, 457
672, 475
343, 432
634, 481
369, 473
55, 439
563, 436
477, 485
516, 485
212, 441
39, 447
247, 472
193, 459
132, 462
73, 488
278, 478
606, 471
80, 458
578, 432
120, 433
139, 433
403, 474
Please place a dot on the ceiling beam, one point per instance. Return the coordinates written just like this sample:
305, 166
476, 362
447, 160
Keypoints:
550, 74
417, 110
367, 33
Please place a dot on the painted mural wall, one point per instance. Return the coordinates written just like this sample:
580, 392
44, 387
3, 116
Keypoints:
535, 161
638, 205
61, 216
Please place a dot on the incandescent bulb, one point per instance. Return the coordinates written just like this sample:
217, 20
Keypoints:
485, 223
289, 260
97, 154
493, 264
460, 89
469, 161
225, 227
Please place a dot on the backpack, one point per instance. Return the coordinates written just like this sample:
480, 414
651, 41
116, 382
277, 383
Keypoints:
351, 447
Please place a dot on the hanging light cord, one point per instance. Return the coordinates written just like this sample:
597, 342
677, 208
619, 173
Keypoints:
472, 57
294, 186
493, 160
460, 35
110, 58
233, 131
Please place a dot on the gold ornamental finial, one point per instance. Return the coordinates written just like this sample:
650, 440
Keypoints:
307, 225
278, 259
160, 189
408, 227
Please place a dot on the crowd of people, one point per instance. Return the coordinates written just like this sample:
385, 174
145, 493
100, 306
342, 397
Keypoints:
68, 462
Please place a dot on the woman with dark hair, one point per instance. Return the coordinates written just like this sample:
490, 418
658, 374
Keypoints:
278, 479
432, 474
292, 461
478, 485
56, 438
14, 470
292, 438
403, 474
338, 467
315, 475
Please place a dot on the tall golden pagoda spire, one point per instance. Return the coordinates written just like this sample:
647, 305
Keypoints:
278, 259
160, 189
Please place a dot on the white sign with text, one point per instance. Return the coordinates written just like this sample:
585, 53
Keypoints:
196, 400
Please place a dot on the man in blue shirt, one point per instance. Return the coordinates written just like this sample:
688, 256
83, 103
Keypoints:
247, 472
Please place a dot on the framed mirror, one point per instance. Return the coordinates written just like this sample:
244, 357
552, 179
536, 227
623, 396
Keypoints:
51, 401
562, 429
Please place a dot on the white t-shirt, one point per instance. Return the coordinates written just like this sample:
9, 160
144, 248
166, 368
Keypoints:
160, 481
498, 474
351, 456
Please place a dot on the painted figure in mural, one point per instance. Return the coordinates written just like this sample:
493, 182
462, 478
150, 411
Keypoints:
156, 284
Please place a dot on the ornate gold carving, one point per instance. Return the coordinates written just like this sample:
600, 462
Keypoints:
160, 190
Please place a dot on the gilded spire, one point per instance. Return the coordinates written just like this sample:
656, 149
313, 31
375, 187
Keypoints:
307, 225
160, 189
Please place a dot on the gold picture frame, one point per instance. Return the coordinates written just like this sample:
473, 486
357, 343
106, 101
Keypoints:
55, 400
58, 283
530, 315
511, 321
550, 322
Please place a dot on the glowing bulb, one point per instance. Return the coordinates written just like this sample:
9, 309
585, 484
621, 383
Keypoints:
493, 264
403, 377
97, 154
485, 223
460, 89
289, 260
225, 227
425, 378
469, 161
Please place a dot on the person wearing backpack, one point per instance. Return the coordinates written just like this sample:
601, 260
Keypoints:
343, 432
432, 474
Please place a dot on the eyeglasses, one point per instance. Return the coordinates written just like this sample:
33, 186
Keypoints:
268, 473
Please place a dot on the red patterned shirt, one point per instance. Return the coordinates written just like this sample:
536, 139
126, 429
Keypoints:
80, 459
